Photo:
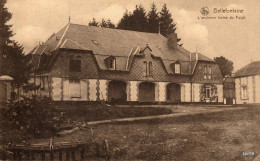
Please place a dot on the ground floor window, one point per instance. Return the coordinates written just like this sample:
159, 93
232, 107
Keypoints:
74, 88
244, 94
207, 93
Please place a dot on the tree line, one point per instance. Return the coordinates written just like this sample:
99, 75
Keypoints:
138, 20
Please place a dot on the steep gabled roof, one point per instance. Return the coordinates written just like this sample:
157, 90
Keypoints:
121, 44
249, 70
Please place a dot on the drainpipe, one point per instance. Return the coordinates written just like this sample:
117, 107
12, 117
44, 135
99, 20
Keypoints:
191, 98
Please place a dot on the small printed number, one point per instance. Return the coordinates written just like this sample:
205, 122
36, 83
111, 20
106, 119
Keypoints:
248, 153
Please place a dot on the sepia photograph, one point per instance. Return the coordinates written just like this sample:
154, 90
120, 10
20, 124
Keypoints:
113, 80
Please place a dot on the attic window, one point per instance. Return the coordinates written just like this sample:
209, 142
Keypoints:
176, 68
111, 63
95, 42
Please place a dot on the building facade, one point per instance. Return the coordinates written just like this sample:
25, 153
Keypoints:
247, 81
86, 63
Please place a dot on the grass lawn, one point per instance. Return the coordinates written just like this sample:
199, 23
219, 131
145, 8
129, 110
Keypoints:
217, 136
81, 112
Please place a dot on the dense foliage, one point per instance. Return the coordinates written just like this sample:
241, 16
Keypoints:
225, 65
35, 117
12, 60
152, 22
104, 23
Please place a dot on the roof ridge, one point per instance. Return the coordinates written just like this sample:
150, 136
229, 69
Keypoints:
64, 33
116, 29
252, 68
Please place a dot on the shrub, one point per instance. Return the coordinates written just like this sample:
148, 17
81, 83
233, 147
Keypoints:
37, 117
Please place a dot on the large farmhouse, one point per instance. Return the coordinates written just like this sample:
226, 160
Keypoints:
247, 81
86, 63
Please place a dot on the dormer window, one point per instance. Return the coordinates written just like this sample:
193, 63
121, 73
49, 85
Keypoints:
111, 63
176, 67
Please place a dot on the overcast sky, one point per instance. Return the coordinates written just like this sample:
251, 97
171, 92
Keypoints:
238, 40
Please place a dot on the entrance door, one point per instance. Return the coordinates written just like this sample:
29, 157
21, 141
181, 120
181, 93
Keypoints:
173, 92
146, 92
117, 91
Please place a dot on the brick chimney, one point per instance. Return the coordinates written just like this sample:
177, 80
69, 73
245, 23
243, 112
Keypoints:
172, 41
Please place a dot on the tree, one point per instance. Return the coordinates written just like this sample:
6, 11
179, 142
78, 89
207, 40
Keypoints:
124, 22
5, 33
16, 63
107, 24
135, 22
153, 20
12, 56
225, 65
103, 23
110, 24
139, 19
167, 25
93, 22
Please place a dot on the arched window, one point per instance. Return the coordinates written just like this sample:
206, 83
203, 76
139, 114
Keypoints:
150, 69
145, 69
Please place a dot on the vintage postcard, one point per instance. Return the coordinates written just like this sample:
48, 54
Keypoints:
129, 80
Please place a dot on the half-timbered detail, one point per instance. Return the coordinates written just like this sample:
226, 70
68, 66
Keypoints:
87, 63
